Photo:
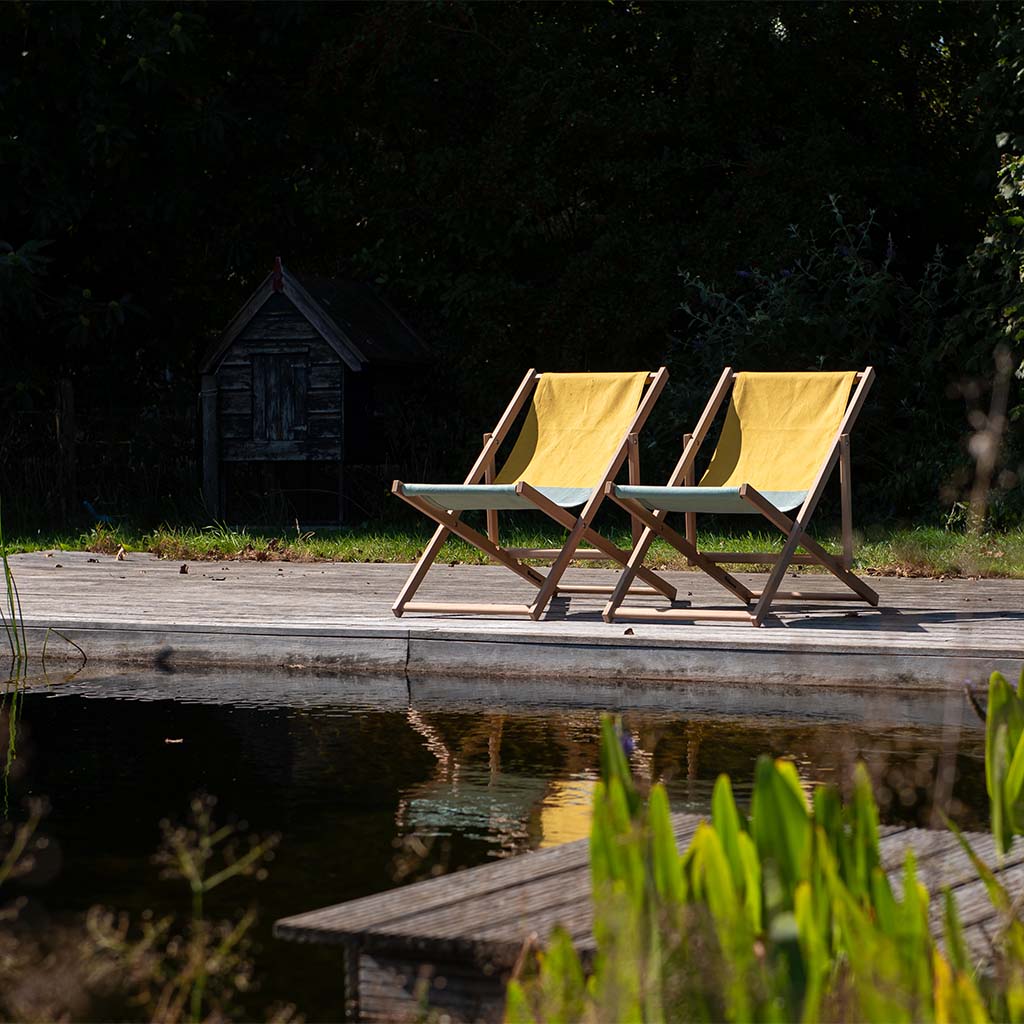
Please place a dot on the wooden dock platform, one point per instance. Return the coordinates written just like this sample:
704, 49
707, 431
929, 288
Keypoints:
336, 618
449, 943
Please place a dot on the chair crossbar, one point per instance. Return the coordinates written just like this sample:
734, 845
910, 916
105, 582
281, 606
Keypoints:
755, 558
581, 554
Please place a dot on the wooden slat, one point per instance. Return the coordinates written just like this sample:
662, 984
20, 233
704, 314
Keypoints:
274, 327
325, 376
467, 608
591, 588
396, 911
755, 558
322, 401
392, 989
583, 554
323, 427
682, 615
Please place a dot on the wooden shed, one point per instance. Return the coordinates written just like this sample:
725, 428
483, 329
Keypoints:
289, 394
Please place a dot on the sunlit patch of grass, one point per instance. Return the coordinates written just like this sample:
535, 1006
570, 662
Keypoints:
930, 551
921, 551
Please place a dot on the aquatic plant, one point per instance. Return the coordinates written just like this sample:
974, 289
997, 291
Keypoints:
171, 969
198, 972
13, 624
1004, 758
10, 608
785, 914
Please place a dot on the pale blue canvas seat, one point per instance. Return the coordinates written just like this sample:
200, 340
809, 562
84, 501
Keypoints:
467, 497
705, 499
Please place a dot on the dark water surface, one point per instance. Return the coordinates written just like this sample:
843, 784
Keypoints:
376, 782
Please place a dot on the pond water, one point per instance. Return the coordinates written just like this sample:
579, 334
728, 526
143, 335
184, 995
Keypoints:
372, 783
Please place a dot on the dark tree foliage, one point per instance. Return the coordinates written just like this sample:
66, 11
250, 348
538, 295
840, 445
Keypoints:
531, 184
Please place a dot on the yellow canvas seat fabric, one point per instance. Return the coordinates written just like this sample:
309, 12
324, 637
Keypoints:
778, 429
574, 426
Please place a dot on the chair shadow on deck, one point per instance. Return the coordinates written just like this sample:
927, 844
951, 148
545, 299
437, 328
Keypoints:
897, 620
561, 610
811, 616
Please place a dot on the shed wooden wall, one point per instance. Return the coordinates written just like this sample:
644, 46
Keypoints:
280, 391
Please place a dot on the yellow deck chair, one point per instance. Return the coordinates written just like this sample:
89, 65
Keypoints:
782, 437
578, 431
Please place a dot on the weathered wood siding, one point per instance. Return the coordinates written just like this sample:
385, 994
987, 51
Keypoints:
281, 391
401, 989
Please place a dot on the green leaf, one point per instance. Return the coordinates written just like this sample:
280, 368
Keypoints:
955, 946
1014, 784
726, 820
865, 854
665, 860
561, 980
752, 895
780, 824
517, 1006
883, 902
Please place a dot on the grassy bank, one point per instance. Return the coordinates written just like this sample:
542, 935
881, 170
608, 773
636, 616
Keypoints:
923, 551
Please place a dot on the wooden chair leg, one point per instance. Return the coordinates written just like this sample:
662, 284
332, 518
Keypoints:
558, 567
633, 565
633, 461
492, 513
605, 546
775, 577
477, 539
689, 518
785, 525
846, 500
430, 552
681, 544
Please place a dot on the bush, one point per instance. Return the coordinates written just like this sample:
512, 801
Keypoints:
783, 915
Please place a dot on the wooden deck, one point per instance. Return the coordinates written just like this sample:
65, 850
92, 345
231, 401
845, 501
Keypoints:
930, 634
452, 941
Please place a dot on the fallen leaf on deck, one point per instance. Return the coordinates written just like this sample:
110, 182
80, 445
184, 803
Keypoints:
184, 569
90, 559
628, 632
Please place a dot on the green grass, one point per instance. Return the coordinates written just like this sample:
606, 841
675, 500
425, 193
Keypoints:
922, 551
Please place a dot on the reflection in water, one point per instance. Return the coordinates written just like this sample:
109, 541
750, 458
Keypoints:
565, 811
348, 771
8, 729
525, 780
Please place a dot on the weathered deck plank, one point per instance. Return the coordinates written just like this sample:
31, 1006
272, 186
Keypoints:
451, 942
929, 634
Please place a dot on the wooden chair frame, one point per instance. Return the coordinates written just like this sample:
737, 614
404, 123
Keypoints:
795, 530
579, 527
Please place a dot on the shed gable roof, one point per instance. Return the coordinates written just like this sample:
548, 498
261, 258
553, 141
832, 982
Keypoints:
358, 324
